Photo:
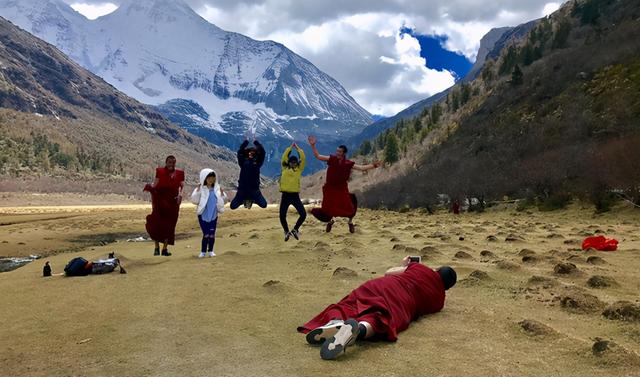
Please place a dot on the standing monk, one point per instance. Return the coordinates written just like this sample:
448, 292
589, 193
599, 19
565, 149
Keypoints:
380, 308
250, 161
337, 201
166, 196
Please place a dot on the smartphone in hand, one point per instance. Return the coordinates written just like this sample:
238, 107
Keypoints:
415, 259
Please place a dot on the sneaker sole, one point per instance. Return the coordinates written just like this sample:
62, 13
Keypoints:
343, 339
319, 335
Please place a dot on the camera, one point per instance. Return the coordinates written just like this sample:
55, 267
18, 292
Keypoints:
415, 259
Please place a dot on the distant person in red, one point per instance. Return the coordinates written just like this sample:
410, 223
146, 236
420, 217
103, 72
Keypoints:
380, 308
455, 207
166, 196
337, 201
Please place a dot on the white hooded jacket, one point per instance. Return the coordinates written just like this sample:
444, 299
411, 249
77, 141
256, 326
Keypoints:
200, 194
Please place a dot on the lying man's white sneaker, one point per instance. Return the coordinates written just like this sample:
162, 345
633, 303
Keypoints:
337, 344
202, 255
318, 335
212, 254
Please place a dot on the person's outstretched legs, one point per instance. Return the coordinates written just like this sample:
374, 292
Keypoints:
237, 200
259, 199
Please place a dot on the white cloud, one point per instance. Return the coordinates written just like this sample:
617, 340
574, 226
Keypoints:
357, 41
93, 11
383, 71
550, 8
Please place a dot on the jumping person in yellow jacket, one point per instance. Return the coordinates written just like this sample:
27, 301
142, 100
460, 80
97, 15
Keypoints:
292, 168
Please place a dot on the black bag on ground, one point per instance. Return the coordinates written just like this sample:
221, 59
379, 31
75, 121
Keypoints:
78, 267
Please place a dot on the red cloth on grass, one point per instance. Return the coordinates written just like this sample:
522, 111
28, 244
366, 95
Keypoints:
600, 243
161, 223
388, 303
336, 199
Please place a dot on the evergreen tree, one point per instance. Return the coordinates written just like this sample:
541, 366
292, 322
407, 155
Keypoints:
508, 61
487, 73
546, 32
424, 112
526, 55
391, 149
417, 124
436, 112
589, 12
561, 35
465, 93
380, 142
365, 148
455, 101
516, 76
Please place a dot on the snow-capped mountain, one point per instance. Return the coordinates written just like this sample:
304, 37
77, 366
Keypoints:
161, 51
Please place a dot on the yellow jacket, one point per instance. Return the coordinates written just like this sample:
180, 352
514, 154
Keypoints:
290, 178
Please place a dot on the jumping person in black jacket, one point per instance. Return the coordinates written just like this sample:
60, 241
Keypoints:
250, 161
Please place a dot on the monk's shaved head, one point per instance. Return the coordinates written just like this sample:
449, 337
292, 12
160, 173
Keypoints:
448, 276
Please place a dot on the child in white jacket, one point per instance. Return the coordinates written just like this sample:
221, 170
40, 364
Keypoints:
210, 200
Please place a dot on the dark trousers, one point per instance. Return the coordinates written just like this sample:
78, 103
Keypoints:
208, 233
242, 195
288, 199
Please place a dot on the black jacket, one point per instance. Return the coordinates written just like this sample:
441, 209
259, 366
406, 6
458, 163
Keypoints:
250, 168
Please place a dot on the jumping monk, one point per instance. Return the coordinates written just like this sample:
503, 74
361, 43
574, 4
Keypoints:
166, 196
337, 201
292, 168
250, 161
380, 308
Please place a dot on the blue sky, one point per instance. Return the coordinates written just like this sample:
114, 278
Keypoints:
438, 57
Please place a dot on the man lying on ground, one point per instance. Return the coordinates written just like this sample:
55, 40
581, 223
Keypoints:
380, 308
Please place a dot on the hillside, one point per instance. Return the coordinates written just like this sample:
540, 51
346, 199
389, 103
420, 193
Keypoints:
554, 117
61, 121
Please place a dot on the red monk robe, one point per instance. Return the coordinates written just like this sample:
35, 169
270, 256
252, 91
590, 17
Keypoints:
336, 199
389, 303
161, 223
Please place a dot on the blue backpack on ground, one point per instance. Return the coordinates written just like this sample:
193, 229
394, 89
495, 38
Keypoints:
78, 267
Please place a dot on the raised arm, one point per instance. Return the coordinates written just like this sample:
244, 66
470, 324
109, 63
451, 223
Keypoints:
375, 165
303, 158
312, 142
285, 156
260, 154
241, 156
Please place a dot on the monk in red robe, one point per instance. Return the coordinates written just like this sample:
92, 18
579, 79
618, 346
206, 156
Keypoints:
380, 308
166, 196
337, 201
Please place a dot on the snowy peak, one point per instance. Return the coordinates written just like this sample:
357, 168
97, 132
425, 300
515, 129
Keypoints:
156, 11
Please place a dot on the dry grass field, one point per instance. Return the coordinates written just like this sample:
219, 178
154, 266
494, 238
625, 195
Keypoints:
528, 301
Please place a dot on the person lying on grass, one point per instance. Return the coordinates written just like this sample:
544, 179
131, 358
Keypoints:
380, 308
